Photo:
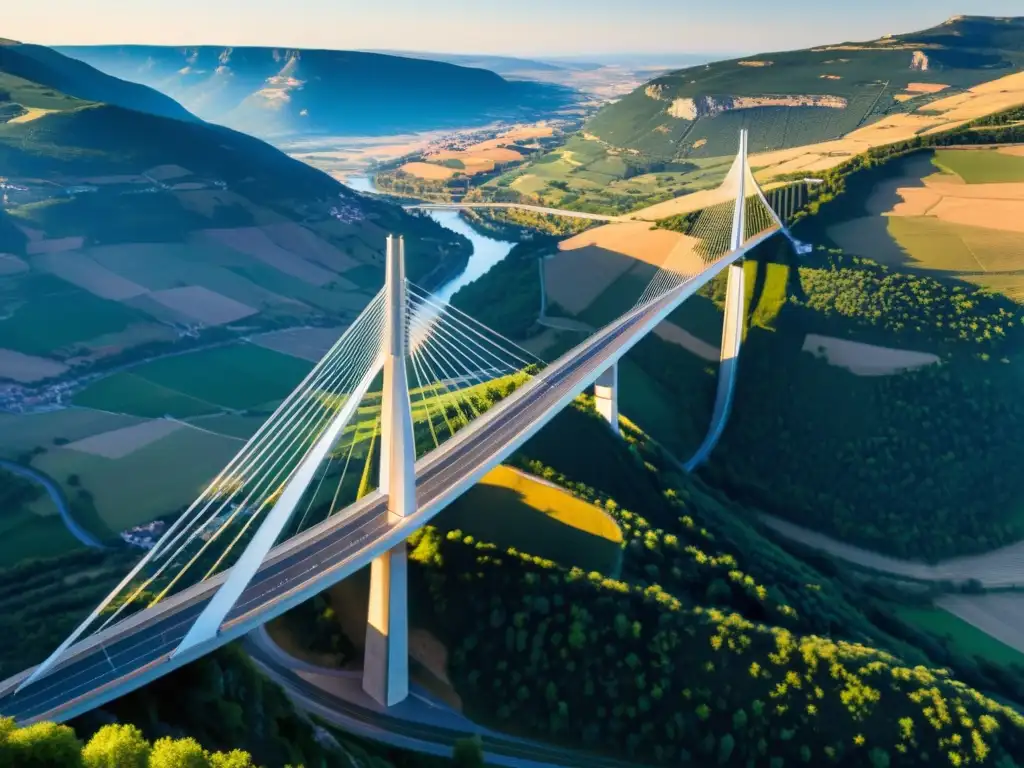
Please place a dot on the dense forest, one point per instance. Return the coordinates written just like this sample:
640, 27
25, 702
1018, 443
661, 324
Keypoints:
517, 224
918, 464
714, 645
690, 657
907, 307
921, 464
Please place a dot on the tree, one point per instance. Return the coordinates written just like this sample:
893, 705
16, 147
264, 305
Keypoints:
44, 745
183, 753
468, 753
725, 748
236, 758
117, 746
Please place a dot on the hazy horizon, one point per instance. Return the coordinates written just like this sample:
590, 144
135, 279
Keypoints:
533, 28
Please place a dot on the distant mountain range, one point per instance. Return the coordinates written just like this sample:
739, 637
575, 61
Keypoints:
502, 65
794, 98
155, 220
279, 91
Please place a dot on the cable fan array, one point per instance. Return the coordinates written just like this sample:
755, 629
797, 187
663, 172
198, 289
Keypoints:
211, 533
707, 233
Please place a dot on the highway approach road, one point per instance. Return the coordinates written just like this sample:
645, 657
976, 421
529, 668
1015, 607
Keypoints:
420, 723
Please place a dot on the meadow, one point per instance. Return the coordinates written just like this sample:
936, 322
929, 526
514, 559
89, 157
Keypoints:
156, 479
981, 166
515, 510
114, 471
233, 377
947, 213
20, 434
30, 325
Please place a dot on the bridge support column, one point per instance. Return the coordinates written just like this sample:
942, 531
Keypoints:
386, 654
606, 397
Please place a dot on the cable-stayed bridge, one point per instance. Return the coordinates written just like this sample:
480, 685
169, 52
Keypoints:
413, 405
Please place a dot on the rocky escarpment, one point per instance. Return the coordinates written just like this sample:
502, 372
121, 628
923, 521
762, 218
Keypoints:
708, 106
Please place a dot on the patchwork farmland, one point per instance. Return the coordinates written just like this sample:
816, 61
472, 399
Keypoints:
956, 212
231, 378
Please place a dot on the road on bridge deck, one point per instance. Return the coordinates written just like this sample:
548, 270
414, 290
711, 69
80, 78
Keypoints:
97, 670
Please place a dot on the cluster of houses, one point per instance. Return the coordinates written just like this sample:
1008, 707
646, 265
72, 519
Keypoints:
144, 536
15, 398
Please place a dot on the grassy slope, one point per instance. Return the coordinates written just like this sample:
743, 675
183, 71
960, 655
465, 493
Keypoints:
57, 75
633, 153
962, 54
517, 510
103, 139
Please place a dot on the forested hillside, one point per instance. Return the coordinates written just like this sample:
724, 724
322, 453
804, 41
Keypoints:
709, 648
792, 98
38, 64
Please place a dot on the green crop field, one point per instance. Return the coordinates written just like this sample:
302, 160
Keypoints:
512, 509
154, 480
24, 432
980, 166
765, 284
987, 257
132, 394
229, 424
965, 637
237, 376
31, 325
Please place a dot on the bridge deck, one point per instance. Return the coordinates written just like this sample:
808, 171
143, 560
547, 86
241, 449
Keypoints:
138, 649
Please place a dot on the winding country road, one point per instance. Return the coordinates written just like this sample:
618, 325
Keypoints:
421, 723
83, 536
999, 569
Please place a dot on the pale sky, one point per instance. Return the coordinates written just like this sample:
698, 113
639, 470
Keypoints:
519, 27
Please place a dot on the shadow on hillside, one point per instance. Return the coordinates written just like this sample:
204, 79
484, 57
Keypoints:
858, 222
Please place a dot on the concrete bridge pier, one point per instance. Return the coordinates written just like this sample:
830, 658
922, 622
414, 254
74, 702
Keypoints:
386, 655
606, 397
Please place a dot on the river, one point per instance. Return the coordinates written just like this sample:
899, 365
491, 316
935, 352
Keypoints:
486, 250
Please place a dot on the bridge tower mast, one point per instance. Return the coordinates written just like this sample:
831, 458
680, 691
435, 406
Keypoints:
386, 653
735, 291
